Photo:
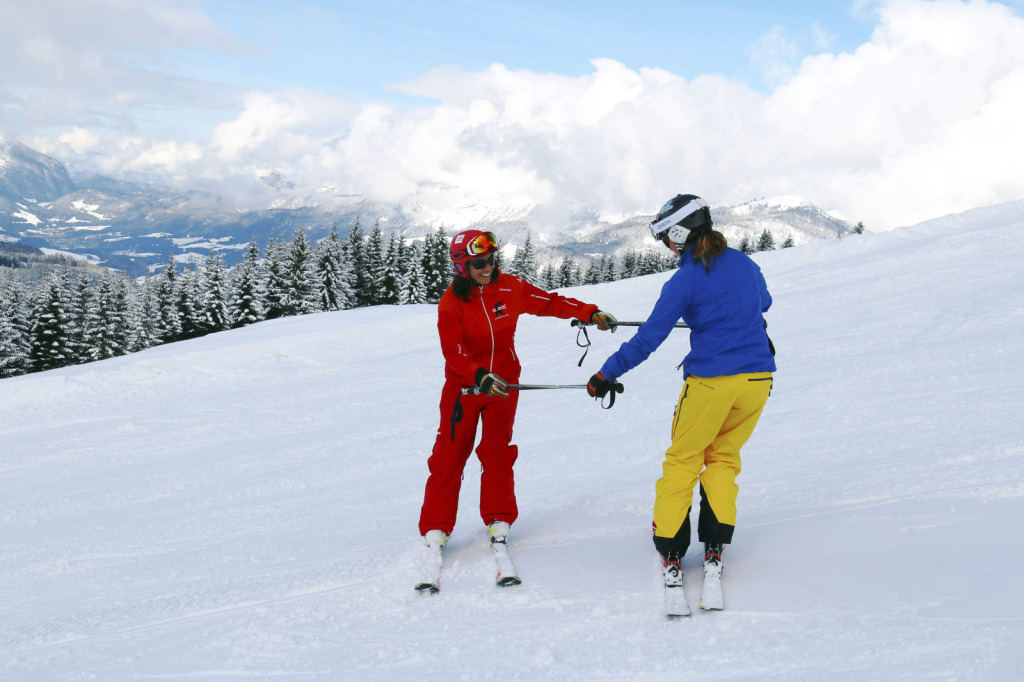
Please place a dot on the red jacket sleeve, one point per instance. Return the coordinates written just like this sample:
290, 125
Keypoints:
536, 301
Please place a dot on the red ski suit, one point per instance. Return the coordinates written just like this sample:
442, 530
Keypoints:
474, 334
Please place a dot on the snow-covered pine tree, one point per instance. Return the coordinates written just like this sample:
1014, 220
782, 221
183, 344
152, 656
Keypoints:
334, 291
14, 328
568, 273
106, 328
411, 290
437, 268
745, 246
79, 295
145, 316
607, 269
629, 265
48, 337
187, 299
275, 280
524, 264
766, 242
354, 250
388, 274
301, 291
373, 263
247, 291
169, 327
214, 314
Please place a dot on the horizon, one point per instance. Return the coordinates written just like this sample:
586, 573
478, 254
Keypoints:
845, 104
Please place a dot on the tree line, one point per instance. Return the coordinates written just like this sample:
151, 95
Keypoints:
71, 317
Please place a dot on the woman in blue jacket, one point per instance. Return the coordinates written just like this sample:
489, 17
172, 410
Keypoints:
721, 295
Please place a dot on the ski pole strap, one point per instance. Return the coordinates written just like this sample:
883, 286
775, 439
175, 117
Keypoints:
457, 409
582, 330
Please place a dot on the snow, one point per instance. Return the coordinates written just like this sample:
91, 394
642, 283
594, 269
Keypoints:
245, 504
26, 217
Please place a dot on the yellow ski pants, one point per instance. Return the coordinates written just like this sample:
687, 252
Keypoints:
714, 418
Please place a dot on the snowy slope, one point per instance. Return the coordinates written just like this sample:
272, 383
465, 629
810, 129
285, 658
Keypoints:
245, 505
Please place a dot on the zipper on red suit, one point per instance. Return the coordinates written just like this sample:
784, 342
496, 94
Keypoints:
490, 368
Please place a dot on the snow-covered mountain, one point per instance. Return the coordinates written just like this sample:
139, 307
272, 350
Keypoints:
136, 227
244, 505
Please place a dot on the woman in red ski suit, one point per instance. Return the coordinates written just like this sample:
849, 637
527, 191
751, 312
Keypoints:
476, 319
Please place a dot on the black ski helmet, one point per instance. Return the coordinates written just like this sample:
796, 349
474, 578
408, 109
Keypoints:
681, 215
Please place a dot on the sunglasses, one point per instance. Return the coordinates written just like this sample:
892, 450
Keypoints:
481, 263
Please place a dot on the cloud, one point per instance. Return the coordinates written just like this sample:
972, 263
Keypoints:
916, 123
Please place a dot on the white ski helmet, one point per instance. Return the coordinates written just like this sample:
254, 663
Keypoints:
681, 215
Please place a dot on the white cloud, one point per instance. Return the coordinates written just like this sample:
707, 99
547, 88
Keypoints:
919, 122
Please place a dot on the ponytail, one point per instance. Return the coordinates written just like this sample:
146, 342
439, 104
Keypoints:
705, 246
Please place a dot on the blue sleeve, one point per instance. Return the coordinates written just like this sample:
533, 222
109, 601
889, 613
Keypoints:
766, 298
667, 311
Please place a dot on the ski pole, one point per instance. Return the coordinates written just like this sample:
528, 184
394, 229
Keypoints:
582, 326
616, 387
581, 323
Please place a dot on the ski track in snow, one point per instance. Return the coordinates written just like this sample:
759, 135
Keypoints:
244, 505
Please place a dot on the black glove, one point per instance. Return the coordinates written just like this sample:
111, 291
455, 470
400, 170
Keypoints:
491, 384
604, 321
598, 386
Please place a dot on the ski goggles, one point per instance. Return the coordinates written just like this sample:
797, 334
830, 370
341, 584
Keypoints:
485, 242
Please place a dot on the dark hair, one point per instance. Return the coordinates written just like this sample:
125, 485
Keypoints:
705, 246
464, 288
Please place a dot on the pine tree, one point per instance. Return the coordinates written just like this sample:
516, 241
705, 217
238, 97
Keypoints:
145, 315
859, 228
213, 304
524, 264
14, 329
568, 273
788, 243
608, 274
275, 278
745, 246
169, 327
332, 277
301, 291
79, 294
354, 249
437, 268
411, 289
388, 275
247, 292
629, 265
187, 301
106, 330
373, 262
48, 336
766, 242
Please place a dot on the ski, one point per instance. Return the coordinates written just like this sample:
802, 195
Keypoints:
433, 557
507, 576
676, 605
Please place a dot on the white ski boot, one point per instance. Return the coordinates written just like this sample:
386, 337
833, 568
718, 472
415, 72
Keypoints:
711, 597
675, 597
507, 576
432, 559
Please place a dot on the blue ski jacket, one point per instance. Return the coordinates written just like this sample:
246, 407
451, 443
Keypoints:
724, 309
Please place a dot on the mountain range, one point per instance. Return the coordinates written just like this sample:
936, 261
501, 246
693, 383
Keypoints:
136, 227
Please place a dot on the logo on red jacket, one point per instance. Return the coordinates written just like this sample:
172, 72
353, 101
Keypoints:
500, 310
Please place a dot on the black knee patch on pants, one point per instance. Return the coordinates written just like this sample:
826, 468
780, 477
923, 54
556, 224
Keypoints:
708, 527
675, 545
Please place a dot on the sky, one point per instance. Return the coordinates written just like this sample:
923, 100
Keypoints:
889, 112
